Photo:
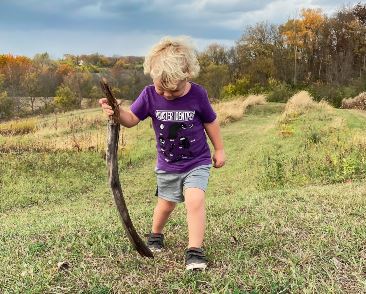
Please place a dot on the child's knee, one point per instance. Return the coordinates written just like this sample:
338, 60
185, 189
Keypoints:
194, 199
165, 205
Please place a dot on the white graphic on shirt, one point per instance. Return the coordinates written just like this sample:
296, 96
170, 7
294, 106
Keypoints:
175, 115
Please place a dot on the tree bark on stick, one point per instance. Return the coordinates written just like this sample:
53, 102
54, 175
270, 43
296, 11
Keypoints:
115, 184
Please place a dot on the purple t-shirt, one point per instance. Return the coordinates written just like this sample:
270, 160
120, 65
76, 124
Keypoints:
178, 124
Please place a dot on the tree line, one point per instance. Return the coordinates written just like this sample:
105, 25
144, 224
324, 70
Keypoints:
62, 84
325, 55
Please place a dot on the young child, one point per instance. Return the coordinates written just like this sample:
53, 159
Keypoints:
181, 113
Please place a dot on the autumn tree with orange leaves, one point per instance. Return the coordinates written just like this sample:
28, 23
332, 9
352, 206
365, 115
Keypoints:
325, 54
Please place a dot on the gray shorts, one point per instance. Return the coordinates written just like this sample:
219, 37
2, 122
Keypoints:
171, 186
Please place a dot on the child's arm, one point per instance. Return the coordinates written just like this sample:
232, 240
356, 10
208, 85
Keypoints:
126, 118
213, 132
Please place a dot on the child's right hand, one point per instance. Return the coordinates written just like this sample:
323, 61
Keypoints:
107, 109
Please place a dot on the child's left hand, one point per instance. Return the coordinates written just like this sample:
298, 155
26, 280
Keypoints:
219, 158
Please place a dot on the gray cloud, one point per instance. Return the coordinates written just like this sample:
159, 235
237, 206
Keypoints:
108, 16
332, 2
87, 21
236, 6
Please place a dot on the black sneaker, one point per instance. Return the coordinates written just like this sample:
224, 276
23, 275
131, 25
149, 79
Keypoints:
195, 259
155, 242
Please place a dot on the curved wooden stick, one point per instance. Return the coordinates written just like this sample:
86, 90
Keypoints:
112, 163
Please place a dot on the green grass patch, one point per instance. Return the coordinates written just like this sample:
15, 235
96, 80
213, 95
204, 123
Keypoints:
295, 234
318, 147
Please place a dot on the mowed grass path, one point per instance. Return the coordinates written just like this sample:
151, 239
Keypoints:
58, 208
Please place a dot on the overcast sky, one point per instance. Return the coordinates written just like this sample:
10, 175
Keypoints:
131, 27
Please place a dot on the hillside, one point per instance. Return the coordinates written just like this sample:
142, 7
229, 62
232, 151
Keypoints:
282, 218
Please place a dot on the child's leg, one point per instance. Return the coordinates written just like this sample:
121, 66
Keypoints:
196, 216
162, 212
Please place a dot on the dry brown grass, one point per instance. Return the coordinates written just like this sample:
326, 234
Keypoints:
229, 111
18, 127
300, 103
83, 130
254, 100
76, 130
358, 102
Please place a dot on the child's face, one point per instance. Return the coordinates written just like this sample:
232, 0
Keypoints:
169, 94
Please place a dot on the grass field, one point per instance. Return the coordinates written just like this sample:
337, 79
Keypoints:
275, 224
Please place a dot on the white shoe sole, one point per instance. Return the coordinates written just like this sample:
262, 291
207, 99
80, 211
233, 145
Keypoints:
194, 266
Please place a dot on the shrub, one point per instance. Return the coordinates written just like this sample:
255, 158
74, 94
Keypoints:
332, 93
257, 89
240, 87
228, 91
279, 91
6, 105
65, 98
47, 108
95, 92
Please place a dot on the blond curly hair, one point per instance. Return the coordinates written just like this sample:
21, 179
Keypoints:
171, 60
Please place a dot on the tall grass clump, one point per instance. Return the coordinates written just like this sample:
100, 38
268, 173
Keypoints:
18, 127
233, 110
358, 102
299, 104
254, 100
